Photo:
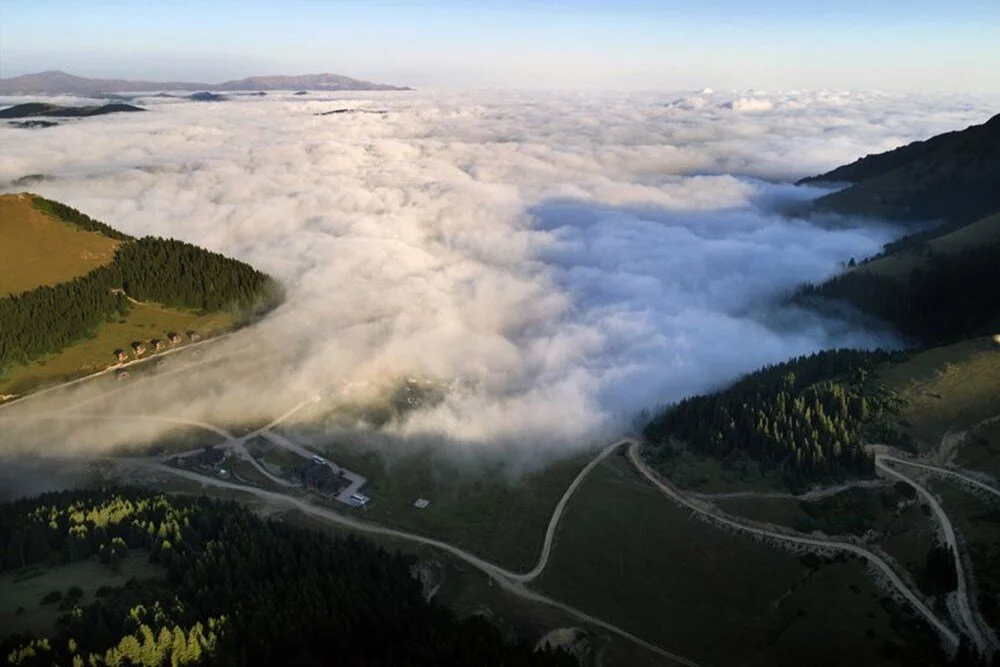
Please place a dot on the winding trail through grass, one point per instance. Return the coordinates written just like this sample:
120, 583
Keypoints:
715, 515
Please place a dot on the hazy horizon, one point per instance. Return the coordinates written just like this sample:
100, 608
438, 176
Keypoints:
583, 44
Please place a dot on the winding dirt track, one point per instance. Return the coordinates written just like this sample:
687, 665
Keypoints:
514, 582
878, 562
948, 472
978, 629
509, 581
968, 619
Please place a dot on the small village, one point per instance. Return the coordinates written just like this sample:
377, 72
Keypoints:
139, 347
261, 459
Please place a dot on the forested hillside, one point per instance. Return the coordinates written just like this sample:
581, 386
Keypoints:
236, 590
179, 274
951, 177
941, 283
49, 318
805, 417
948, 298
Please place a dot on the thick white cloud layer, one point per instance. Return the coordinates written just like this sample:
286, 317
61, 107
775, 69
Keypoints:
570, 258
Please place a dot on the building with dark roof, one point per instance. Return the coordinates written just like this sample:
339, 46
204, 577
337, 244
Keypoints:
323, 479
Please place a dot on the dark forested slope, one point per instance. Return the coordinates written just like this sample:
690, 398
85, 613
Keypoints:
947, 298
953, 177
236, 590
939, 285
804, 417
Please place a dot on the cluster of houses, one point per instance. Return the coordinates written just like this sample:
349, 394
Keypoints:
139, 347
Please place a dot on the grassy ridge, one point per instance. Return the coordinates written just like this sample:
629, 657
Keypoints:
38, 248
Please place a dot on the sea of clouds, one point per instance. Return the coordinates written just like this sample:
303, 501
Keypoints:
571, 258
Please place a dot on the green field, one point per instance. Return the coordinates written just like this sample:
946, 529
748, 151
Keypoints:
852, 511
627, 554
144, 322
242, 471
900, 264
48, 251
693, 471
481, 507
981, 449
25, 588
946, 389
909, 540
467, 591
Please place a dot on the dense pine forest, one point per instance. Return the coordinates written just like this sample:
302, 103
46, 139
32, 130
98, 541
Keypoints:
952, 298
49, 318
235, 590
804, 417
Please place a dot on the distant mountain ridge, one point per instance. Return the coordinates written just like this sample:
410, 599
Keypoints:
952, 177
55, 82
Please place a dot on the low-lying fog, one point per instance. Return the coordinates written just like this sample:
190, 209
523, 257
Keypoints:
569, 258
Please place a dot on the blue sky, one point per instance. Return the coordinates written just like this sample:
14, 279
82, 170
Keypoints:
901, 45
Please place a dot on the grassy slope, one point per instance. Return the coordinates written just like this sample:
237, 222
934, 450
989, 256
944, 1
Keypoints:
144, 322
626, 553
900, 264
694, 471
906, 534
479, 509
981, 449
38, 249
948, 388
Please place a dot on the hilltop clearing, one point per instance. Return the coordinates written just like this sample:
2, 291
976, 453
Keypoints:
40, 249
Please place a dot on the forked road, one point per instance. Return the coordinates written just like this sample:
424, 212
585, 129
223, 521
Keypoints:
514, 582
972, 621
912, 598
509, 581
968, 479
